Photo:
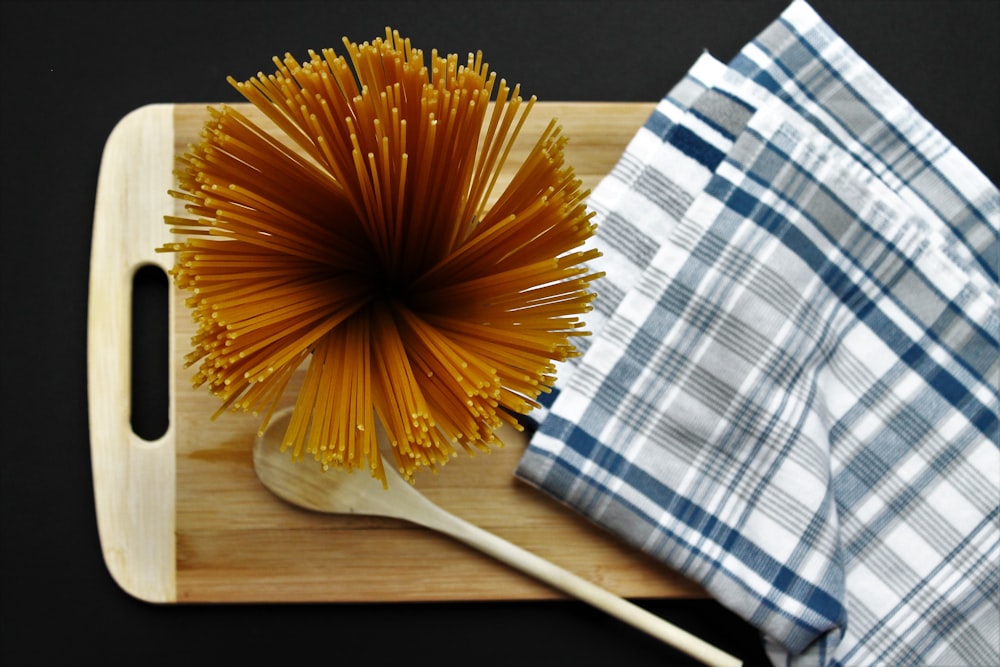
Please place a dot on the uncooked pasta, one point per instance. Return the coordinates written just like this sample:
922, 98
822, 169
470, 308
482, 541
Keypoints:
368, 241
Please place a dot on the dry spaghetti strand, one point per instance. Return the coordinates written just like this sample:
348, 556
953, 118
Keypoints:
346, 244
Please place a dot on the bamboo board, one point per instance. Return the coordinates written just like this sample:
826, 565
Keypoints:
184, 518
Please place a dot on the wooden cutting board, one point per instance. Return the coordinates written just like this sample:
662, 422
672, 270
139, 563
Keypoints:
184, 518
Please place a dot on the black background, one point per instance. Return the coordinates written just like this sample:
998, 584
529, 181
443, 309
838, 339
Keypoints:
73, 69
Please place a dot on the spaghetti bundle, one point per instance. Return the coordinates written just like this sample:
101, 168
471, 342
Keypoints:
363, 246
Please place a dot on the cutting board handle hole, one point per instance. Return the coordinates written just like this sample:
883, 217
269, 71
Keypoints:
150, 382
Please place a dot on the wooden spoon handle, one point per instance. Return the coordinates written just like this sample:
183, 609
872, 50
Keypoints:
573, 585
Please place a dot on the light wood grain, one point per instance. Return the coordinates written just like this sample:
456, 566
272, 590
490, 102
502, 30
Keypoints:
338, 493
134, 480
201, 527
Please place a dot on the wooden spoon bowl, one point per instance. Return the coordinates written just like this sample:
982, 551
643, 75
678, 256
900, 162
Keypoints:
338, 492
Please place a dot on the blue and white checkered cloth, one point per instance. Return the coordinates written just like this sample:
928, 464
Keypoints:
791, 394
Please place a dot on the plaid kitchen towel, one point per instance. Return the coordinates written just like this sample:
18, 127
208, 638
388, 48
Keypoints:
638, 203
807, 65
796, 402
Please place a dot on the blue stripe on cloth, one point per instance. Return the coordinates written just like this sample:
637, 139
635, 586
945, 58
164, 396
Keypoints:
945, 616
547, 399
658, 124
695, 147
748, 68
914, 355
744, 203
988, 261
827, 610
903, 437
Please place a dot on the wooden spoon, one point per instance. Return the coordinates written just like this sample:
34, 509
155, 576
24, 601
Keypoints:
337, 492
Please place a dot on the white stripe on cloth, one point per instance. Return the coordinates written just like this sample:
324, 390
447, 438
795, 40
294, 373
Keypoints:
795, 402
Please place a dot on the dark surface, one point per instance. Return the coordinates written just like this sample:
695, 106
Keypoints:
72, 70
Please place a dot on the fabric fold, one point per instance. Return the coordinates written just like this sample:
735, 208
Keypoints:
637, 204
793, 399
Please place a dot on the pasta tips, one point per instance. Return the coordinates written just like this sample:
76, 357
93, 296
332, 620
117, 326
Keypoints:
367, 238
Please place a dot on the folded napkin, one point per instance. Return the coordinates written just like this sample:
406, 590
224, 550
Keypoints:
791, 391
